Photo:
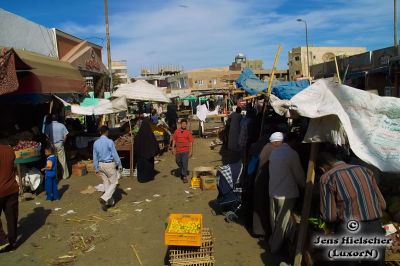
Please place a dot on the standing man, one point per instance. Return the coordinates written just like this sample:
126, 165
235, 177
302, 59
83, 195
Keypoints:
106, 161
182, 148
285, 176
8, 198
349, 193
57, 134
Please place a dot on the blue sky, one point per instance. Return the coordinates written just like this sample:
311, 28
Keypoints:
209, 33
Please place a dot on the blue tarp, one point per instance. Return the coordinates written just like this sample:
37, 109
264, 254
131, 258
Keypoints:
284, 90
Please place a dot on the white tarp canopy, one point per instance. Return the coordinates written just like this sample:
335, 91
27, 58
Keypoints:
370, 122
104, 107
141, 91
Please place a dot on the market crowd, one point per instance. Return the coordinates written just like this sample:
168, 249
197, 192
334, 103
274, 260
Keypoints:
273, 180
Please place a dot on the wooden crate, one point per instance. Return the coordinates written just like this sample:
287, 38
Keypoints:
184, 239
189, 256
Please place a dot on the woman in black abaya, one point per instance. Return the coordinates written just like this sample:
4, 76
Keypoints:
146, 147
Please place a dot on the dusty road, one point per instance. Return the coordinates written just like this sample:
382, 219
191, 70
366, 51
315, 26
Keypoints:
105, 238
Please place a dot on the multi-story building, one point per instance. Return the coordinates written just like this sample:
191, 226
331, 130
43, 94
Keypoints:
297, 58
241, 63
120, 68
220, 78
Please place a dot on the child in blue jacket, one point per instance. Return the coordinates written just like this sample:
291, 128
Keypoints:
51, 182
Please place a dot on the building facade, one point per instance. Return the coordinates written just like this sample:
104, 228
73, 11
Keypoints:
297, 58
372, 71
215, 79
120, 69
87, 58
241, 63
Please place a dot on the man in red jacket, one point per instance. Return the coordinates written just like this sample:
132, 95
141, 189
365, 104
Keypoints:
8, 198
182, 148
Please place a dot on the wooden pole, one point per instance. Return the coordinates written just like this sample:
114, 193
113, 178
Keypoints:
305, 213
337, 71
271, 78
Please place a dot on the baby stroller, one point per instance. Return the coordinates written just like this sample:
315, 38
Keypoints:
229, 192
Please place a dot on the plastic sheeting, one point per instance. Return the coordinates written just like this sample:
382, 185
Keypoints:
371, 122
282, 89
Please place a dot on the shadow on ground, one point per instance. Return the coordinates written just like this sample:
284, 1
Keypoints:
31, 223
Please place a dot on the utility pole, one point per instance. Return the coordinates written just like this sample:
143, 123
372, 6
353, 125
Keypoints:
108, 44
396, 41
308, 54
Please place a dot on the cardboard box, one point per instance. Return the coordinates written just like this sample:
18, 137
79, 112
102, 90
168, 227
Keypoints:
79, 170
89, 166
195, 182
208, 183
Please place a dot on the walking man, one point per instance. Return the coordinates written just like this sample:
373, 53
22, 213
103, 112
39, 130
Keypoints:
182, 148
57, 134
285, 176
350, 193
106, 161
8, 198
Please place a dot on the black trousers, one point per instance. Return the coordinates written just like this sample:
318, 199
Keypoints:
9, 205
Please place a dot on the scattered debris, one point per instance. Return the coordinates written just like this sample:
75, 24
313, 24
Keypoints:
187, 192
148, 200
137, 255
156, 195
57, 209
68, 212
89, 190
138, 210
137, 202
128, 188
63, 260
37, 203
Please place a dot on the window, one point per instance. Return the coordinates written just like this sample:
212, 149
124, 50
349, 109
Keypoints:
297, 58
297, 72
314, 57
89, 82
199, 82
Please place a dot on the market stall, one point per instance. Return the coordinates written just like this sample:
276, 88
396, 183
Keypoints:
355, 120
142, 91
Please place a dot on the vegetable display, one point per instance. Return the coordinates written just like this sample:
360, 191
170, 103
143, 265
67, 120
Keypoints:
178, 226
26, 145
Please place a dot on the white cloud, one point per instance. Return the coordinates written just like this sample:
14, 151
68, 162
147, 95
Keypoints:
209, 33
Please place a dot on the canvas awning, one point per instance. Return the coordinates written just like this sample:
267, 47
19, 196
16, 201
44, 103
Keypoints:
41, 74
98, 106
141, 91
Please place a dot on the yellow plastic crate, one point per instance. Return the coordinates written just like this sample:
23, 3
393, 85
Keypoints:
184, 239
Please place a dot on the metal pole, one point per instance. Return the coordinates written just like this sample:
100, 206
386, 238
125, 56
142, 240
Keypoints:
108, 44
308, 54
396, 41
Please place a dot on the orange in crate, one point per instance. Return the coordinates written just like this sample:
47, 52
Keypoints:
184, 230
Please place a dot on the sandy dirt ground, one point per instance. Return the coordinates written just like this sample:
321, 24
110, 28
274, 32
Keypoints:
106, 238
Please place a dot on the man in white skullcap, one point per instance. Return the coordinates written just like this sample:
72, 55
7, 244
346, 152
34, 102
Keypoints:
261, 224
286, 175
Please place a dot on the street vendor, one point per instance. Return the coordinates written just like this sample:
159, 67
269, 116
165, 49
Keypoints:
57, 134
350, 193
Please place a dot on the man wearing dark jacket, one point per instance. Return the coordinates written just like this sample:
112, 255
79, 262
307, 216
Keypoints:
8, 198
